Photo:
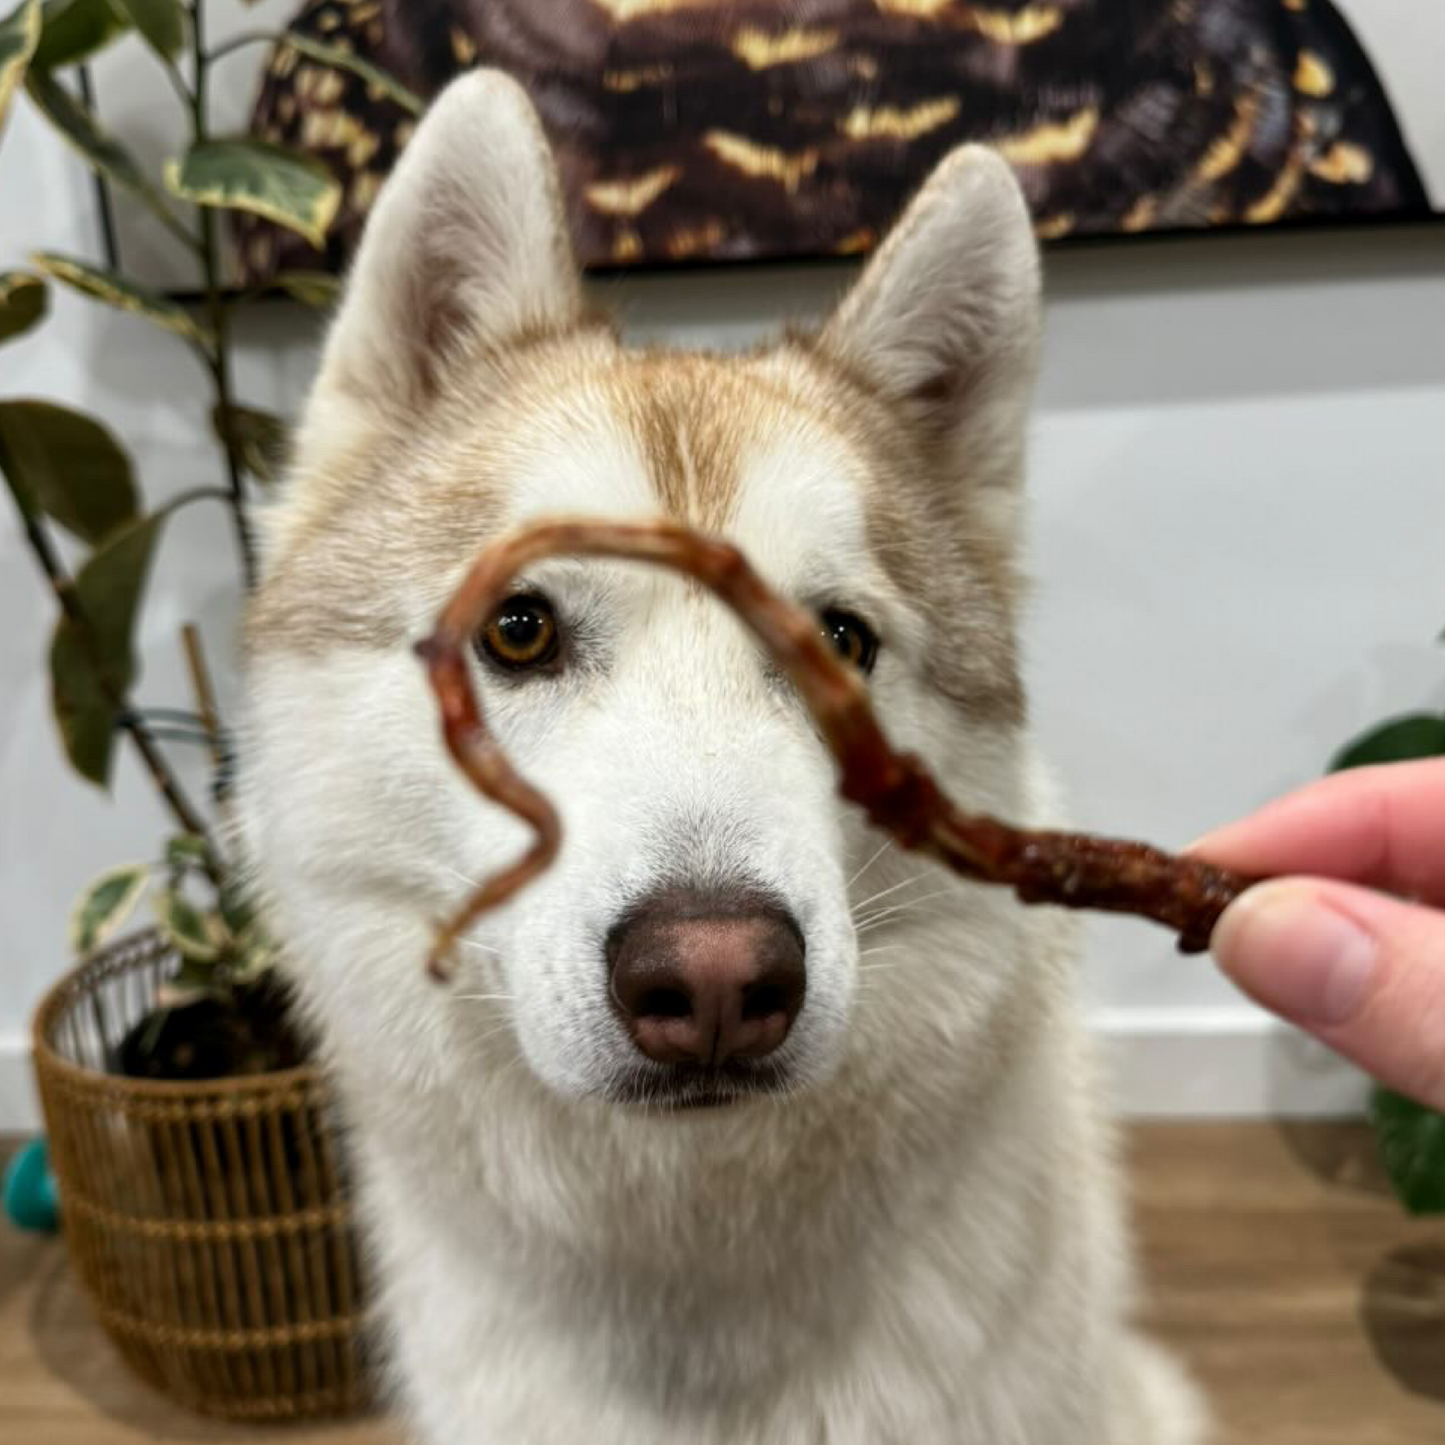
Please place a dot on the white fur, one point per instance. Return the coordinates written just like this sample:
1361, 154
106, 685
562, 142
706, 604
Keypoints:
921, 1241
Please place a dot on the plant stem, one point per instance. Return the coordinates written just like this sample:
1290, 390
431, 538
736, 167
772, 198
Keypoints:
62, 585
218, 356
205, 694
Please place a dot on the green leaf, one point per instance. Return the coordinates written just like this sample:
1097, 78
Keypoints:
1416, 735
259, 439
19, 33
108, 589
186, 851
105, 906
97, 147
186, 926
67, 466
125, 295
284, 186
162, 22
1411, 1139
73, 30
314, 288
23, 300
335, 55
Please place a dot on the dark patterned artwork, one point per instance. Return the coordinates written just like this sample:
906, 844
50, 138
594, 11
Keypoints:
694, 130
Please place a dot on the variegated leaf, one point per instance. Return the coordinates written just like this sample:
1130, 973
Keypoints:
186, 851
19, 35
185, 925
284, 186
104, 907
23, 300
314, 288
379, 80
126, 295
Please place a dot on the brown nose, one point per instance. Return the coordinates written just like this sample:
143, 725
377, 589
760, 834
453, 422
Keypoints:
700, 978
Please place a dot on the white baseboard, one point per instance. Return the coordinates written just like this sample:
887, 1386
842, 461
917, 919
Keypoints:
1222, 1064
1162, 1063
19, 1108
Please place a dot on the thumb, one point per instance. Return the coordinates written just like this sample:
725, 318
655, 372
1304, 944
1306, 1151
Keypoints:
1361, 971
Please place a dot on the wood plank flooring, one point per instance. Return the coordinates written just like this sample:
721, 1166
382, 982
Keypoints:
1310, 1307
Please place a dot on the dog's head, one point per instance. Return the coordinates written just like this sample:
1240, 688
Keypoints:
699, 935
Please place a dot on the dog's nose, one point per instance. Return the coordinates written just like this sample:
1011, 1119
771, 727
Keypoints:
706, 977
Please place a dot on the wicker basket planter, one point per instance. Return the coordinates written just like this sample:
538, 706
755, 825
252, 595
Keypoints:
208, 1222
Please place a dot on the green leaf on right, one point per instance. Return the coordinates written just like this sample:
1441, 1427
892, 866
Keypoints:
257, 438
23, 301
68, 466
125, 295
162, 22
108, 589
105, 906
73, 30
1400, 739
1411, 1139
284, 186
19, 34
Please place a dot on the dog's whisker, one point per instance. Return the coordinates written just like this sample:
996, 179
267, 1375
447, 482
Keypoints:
883, 847
883, 893
480, 947
484, 998
873, 919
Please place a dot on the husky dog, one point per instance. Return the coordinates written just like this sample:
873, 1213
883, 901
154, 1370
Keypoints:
736, 1128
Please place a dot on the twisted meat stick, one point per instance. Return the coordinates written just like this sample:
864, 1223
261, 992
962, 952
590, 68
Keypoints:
1074, 870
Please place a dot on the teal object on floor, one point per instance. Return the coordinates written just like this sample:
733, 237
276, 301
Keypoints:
31, 1199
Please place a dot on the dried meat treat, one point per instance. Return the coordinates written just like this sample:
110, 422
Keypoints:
1074, 870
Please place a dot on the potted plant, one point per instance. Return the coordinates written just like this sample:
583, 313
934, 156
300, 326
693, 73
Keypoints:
200, 1186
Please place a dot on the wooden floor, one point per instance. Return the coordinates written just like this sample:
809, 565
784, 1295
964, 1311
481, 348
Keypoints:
1313, 1312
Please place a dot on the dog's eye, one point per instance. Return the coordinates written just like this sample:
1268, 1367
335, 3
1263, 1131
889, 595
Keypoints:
854, 640
523, 632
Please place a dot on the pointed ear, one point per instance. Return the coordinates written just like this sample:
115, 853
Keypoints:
466, 244
944, 320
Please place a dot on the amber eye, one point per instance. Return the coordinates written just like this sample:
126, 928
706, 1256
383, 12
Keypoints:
522, 633
853, 639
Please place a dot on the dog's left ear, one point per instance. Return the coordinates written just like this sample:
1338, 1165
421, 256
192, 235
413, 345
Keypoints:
466, 245
944, 320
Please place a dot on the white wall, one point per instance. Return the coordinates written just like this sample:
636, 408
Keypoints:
1239, 522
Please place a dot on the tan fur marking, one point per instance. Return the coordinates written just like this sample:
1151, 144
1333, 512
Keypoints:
632, 196
1140, 216
889, 123
1227, 152
1313, 76
624, 82
1053, 141
762, 161
1344, 164
759, 50
1270, 207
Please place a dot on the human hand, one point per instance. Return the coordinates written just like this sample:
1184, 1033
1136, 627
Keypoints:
1327, 947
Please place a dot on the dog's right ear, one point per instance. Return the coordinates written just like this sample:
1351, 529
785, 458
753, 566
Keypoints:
466, 245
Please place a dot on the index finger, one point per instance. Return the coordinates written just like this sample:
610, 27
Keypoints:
1381, 826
